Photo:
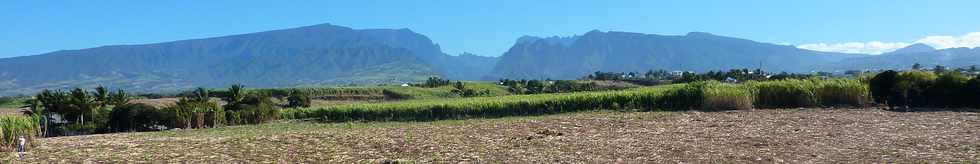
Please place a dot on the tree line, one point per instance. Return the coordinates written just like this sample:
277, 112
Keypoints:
99, 111
931, 89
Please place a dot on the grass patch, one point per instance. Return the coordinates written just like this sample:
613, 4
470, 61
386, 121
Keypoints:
515, 105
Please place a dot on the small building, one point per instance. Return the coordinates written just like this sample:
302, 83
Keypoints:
676, 73
731, 80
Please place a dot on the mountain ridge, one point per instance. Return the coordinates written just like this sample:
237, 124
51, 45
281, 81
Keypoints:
316, 54
629, 51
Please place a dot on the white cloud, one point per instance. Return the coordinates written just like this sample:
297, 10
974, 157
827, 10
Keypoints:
969, 40
856, 47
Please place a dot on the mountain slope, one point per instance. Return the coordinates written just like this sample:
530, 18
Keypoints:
319, 54
574, 57
914, 48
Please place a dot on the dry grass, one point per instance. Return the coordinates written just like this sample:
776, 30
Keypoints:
158, 103
10, 111
742, 136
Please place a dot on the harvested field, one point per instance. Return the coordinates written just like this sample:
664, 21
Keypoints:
790, 135
159, 103
10, 111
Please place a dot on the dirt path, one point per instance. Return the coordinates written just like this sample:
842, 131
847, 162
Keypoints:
789, 136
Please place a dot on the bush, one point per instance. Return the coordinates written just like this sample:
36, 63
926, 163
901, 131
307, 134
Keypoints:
253, 114
299, 100
912, 86
883, 88
972, 91
433, 82
925, 89
948, 90
254, 109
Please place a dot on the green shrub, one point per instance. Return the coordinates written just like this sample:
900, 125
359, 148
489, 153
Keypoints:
883, 88
253, 114
972, 91
912, 86
949, 90
299, 100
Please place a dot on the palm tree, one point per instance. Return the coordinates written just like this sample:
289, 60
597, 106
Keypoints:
81, 103
101, 95
236, 93
201, 95
118, 98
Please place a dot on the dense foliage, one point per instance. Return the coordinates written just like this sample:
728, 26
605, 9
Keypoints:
299, 100
434, 82
916, 89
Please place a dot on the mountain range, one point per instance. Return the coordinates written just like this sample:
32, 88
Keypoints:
904, 59
328, 54
574, 57
313, 55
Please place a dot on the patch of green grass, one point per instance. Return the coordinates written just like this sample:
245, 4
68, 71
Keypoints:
13, 102
477, 107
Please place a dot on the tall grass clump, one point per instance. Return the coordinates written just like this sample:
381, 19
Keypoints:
12, 127
790, 93
721, 96
843, 92
707, 95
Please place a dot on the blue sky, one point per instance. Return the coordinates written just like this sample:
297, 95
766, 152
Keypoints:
490, 27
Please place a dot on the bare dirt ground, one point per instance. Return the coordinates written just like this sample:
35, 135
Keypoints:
766, 136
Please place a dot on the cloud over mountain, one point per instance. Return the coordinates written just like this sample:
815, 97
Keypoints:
874, 47
969, 40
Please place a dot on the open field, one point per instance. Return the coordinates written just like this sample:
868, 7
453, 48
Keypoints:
791, 135
9, 111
